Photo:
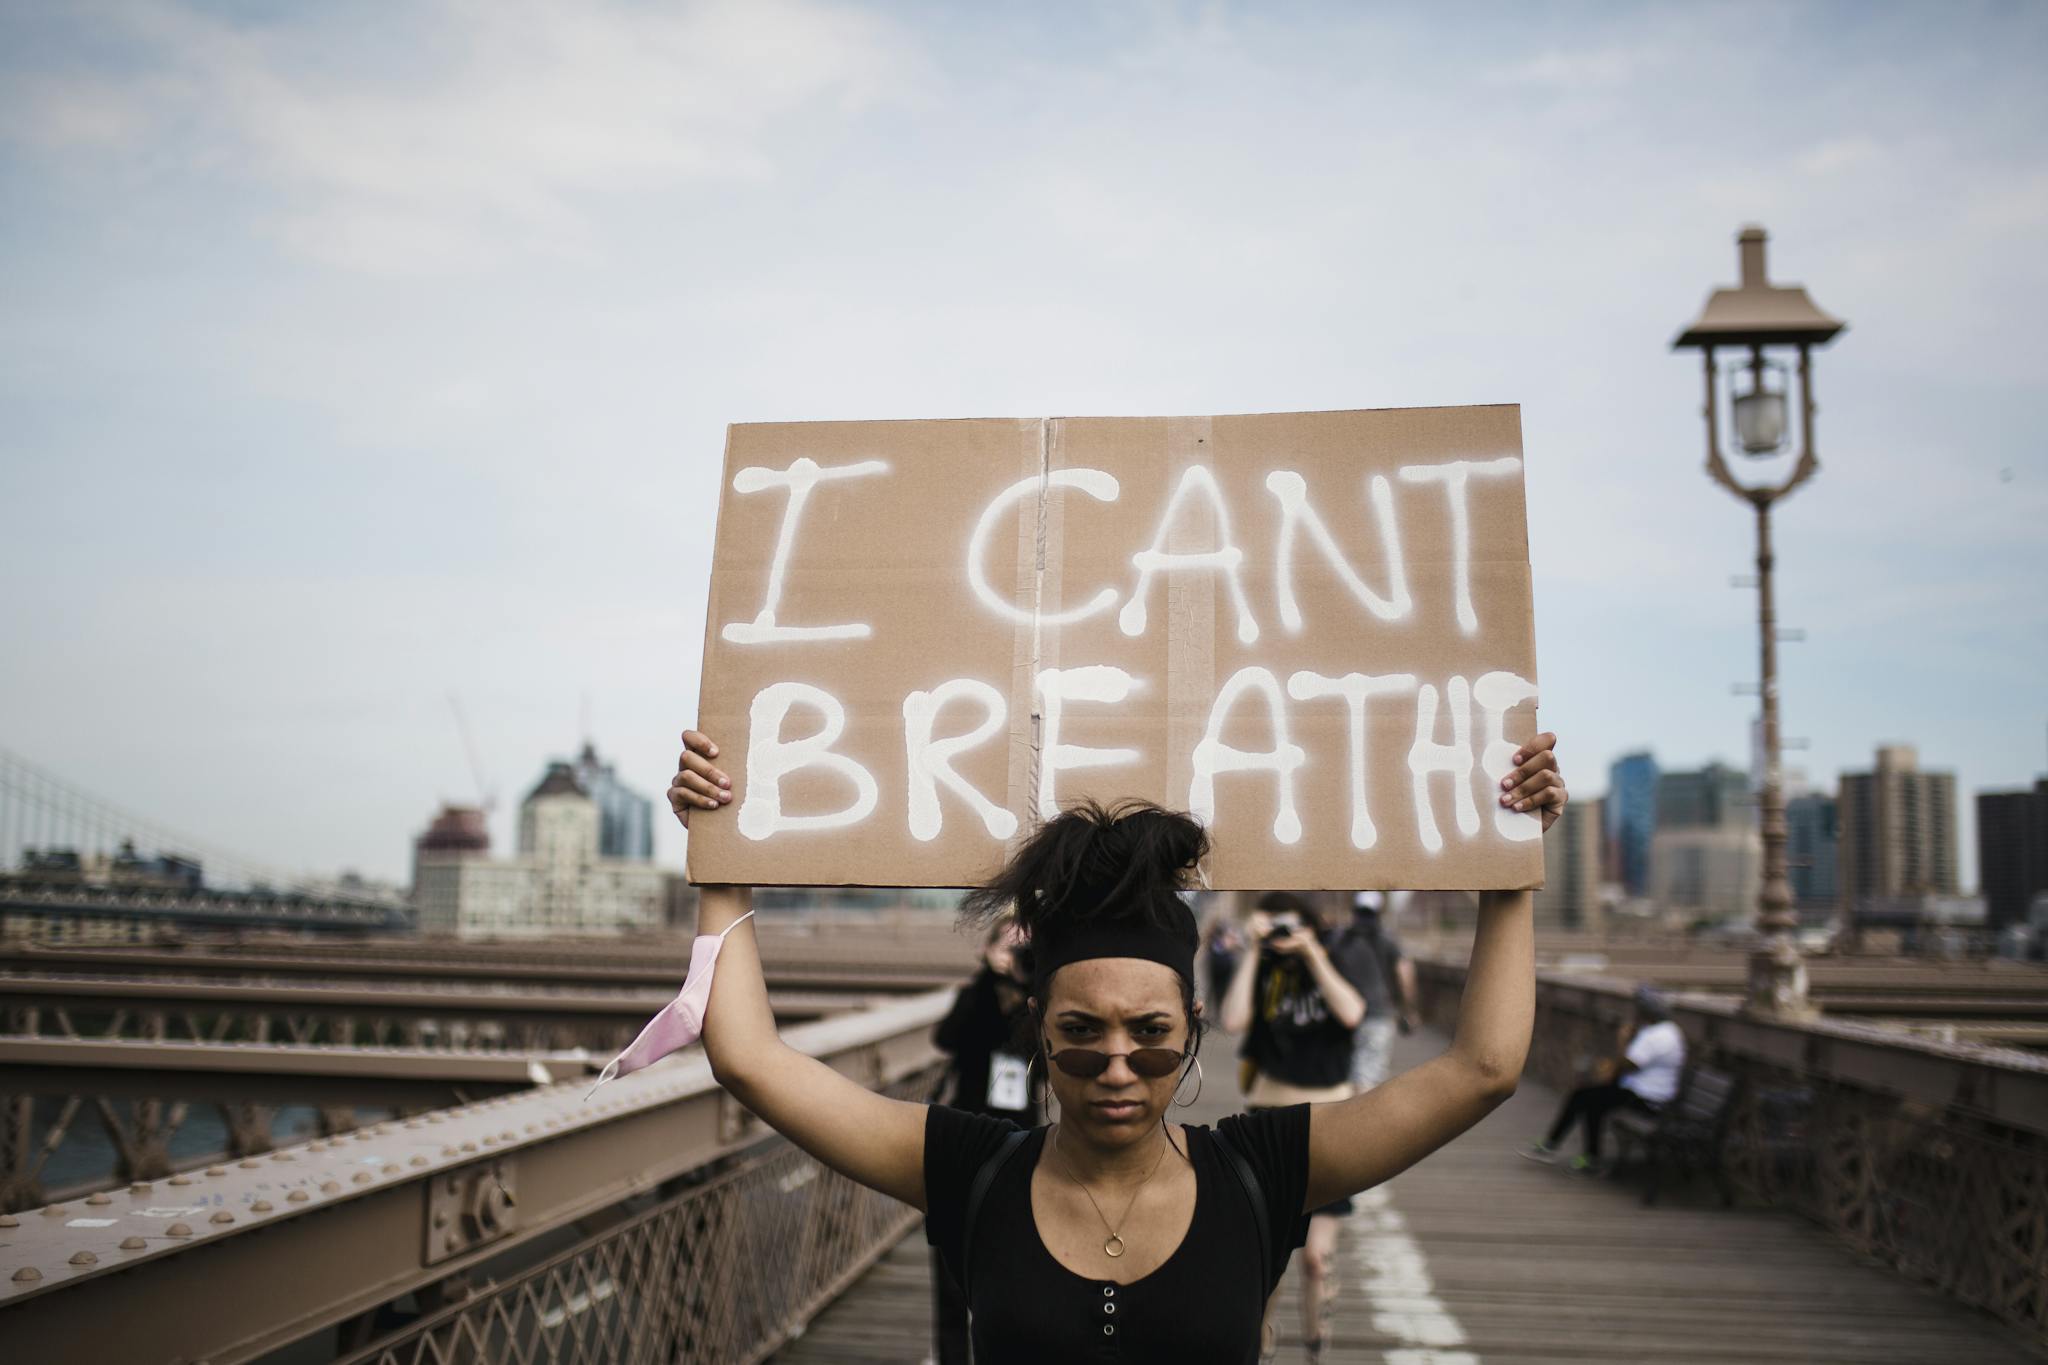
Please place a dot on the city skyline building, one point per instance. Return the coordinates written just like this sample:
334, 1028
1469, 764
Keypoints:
457, 829
1714, 797
1629, 820
2012, 851
1896, 831
1710, 872
558, 883
1570, 895
1812, 849
1706, 852
625, 817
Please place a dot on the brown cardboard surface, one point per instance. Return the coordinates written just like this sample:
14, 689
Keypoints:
876, 581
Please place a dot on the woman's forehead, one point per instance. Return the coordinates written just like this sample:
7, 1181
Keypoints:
1115, 987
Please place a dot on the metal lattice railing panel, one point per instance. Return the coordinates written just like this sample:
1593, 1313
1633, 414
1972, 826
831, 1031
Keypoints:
1943, 1193
720, 1274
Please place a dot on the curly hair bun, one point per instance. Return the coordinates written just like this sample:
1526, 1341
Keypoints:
1125, 861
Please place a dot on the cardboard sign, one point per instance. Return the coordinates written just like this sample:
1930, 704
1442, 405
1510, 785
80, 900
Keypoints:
1312, 630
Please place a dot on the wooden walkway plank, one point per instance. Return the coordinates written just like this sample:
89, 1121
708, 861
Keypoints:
1477, 1257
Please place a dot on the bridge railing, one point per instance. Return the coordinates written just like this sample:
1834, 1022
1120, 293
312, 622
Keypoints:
537, 1226
721, 1274
1927, 1156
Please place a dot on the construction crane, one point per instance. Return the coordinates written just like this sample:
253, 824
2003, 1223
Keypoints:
486, 791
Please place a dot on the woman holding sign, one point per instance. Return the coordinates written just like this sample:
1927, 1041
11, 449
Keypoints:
1115, 1230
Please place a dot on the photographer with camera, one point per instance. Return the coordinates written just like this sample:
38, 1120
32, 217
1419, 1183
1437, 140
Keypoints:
1296, 998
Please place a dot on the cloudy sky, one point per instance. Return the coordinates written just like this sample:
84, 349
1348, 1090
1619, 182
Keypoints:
356, 355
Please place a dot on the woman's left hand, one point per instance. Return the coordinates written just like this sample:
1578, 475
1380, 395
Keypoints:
1536, 783
697, 783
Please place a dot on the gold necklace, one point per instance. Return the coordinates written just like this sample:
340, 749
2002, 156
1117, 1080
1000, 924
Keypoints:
1113, 1245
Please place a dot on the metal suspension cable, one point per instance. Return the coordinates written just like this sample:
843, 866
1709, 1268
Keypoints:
36, 801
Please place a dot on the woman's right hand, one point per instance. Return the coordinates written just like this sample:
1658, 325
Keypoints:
698, 784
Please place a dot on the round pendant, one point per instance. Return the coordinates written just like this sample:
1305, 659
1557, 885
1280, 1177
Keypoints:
1114, 1247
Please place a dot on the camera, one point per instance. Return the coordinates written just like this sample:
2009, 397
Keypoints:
1284, 923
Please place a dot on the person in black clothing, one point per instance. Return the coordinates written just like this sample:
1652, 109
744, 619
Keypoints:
1116, 1233
990, 1052
1389, 991
1296, 998
990, 1074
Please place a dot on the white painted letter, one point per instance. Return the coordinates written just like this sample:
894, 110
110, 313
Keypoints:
1453, 475
800, 478
1096, 682
1095, 483
1157, 559
931, 761
1356, 689
1213, 756
1427, 756
1498, 694
1292, 490
770, 758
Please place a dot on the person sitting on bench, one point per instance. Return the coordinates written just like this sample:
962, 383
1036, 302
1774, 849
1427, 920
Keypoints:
1644, 1077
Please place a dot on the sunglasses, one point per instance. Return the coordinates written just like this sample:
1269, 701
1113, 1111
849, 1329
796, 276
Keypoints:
1150, 1062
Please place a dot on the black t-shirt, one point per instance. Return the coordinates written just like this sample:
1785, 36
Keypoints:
1294, 1037
1202, 1307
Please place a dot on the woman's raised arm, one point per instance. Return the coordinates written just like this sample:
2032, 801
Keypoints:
1356, 1144
865, 1136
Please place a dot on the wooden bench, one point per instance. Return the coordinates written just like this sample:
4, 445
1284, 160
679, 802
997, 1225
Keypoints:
1686, 1134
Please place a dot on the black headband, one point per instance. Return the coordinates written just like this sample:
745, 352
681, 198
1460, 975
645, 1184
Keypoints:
1172, 945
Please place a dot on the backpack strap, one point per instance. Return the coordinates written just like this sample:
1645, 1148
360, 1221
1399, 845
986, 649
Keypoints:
976, 1193
1254, 1195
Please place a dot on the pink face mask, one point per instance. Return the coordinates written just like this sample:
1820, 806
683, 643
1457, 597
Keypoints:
681, 1021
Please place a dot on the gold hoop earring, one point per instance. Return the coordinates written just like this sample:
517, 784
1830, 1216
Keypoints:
1189, 1102
1046, 1103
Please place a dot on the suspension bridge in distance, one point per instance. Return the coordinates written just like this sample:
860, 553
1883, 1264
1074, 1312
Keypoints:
74, 863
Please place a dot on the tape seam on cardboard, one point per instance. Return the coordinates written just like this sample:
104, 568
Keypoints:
1041, 534
1188, 612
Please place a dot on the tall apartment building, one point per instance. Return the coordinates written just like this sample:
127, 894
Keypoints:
2012, 851
1708, 872
1570, 895
559, 883
625, 823
1629, 817
1716, 797
1896, 831
1706, 858
1811, 850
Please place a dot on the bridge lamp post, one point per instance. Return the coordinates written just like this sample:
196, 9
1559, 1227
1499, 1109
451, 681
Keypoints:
1760, 322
